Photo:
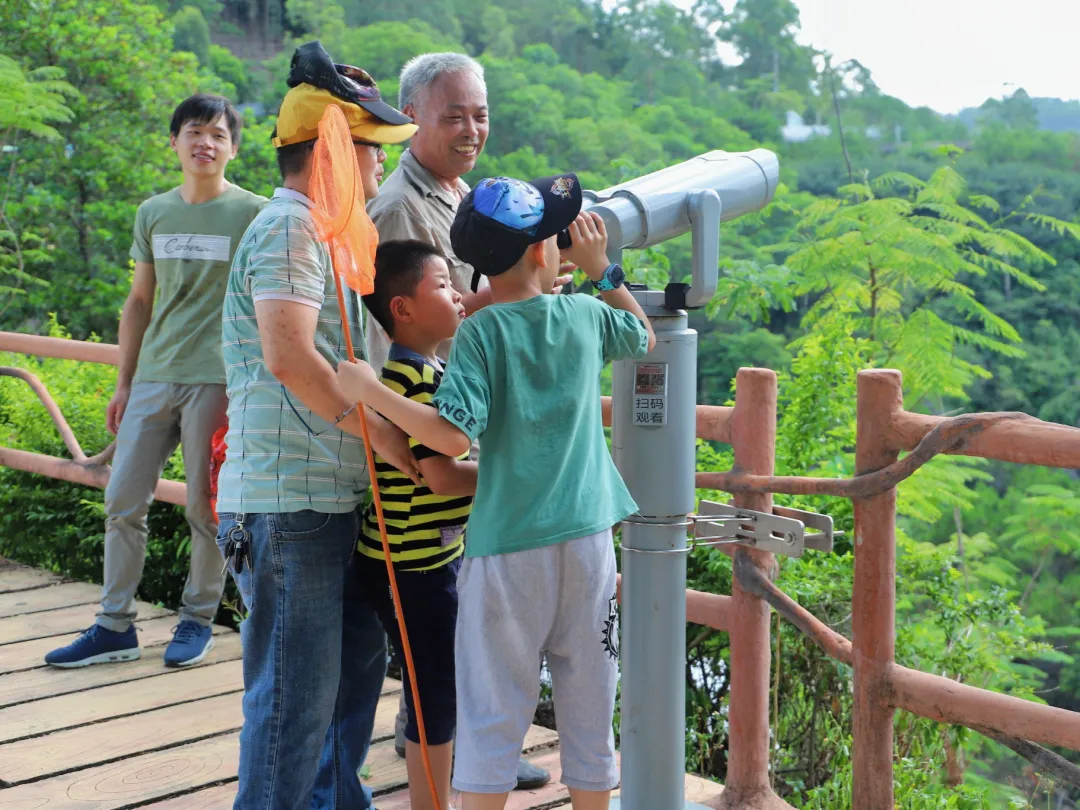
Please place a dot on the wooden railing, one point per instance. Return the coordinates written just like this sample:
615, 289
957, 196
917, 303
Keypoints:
881, 686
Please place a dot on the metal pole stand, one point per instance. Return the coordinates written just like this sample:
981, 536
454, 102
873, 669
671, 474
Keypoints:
653, 438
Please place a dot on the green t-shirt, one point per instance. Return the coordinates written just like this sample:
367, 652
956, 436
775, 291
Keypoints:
191, 247
524, 378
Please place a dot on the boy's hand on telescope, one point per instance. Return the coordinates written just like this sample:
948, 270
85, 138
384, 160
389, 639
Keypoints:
588, 250
356, 379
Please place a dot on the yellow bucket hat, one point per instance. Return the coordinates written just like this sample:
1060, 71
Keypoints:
316, 82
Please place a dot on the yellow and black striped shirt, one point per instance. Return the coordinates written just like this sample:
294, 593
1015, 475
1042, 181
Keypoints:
425, 530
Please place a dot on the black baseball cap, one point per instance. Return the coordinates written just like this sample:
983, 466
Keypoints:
501, 217
316, 82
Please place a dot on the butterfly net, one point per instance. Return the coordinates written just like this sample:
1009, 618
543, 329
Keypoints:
337, 192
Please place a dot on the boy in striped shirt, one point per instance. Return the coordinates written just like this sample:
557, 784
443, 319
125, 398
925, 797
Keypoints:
415, 302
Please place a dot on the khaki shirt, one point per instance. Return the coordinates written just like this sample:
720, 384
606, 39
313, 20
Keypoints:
413, 205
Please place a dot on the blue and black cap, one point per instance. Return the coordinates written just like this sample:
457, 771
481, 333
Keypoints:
501, 217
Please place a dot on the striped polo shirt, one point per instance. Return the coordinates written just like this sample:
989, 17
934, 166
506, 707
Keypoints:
425, 530
281, 456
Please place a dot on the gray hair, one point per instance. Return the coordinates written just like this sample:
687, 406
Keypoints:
420, 73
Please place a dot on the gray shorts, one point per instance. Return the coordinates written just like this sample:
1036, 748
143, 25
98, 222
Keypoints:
514, 608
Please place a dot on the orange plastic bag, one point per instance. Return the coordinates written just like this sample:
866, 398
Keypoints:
217, 458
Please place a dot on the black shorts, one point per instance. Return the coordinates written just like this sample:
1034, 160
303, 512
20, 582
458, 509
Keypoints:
429, 600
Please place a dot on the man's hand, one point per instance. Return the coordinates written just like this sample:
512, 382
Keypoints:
589, 249
356, 380
114, 414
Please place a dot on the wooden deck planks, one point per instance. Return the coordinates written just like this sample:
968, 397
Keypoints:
50, 598
35, 684
114, 739
134, 780
115, 736
74, 619
154, 634
119, 700
14, 577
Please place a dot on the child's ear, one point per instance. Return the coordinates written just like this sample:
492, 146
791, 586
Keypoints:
538, 252
400, 309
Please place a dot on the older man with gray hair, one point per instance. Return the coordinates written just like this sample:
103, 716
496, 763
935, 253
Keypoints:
445, 95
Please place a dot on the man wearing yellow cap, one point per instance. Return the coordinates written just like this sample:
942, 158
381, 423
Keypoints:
314, 656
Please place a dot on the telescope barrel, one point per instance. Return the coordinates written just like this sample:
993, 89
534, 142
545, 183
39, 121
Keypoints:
654, 208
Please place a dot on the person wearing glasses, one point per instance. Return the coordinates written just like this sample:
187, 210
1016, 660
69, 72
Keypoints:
314, 654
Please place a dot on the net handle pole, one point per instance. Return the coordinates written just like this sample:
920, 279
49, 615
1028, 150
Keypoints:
391, 574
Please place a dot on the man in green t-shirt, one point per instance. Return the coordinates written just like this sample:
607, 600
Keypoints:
171, 385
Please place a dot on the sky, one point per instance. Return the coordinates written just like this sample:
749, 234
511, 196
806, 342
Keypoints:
951, 54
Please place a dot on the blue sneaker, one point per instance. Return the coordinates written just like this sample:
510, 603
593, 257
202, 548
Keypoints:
97, 645
191, 642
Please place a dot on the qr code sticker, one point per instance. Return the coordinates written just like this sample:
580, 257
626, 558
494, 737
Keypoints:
650, 378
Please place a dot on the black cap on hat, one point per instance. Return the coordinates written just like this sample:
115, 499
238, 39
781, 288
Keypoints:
311, 64
501, 217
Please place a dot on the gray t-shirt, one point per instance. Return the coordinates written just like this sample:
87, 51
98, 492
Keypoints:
190, 246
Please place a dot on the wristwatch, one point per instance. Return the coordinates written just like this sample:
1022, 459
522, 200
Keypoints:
611, 280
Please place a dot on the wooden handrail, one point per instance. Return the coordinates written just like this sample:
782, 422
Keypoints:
107, 354
1014, 437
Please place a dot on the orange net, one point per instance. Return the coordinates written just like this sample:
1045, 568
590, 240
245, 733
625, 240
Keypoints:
338, 194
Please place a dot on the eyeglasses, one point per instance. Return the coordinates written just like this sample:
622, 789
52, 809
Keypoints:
378, 147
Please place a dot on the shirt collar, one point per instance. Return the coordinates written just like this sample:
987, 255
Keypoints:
291, 194
425, 181
399, 352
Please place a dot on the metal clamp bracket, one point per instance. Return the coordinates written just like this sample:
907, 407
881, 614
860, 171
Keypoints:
820, 540
782, 532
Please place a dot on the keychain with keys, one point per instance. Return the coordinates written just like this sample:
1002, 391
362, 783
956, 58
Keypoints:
237, 546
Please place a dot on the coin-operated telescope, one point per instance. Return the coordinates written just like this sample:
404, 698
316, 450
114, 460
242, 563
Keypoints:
653, 437
695, 195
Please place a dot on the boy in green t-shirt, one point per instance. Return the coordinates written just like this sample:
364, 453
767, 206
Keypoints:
171, 384
539, 574
415, 302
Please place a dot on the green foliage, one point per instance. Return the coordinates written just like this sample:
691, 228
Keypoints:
30, 103
255, 165
763, 33
191, 33
232, 70
1016, 112
891, 258
915, 788
209, 9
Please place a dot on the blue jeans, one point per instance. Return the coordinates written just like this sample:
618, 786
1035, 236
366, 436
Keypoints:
314, 662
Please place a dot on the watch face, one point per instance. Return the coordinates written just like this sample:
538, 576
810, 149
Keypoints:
616, 275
